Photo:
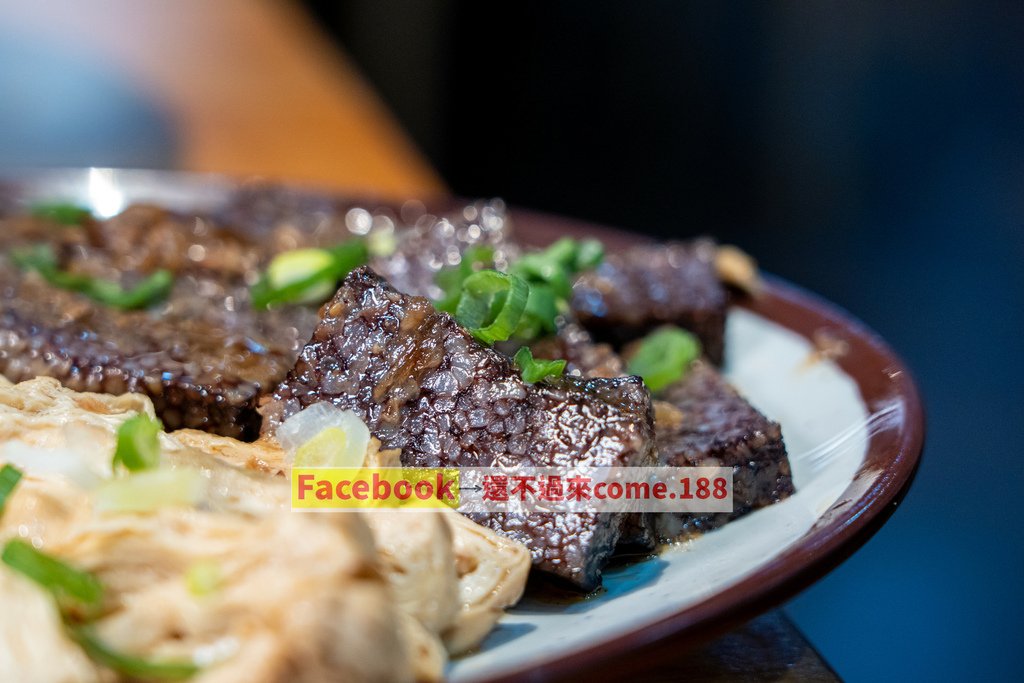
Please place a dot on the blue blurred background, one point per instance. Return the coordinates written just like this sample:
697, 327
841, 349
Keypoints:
872, 152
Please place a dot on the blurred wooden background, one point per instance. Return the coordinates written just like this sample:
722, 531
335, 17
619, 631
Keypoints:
248, 86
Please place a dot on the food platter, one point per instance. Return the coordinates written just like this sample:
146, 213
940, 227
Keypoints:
851, 418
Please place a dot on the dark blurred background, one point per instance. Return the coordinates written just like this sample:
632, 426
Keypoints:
872, 152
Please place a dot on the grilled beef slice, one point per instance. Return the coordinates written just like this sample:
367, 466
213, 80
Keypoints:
203, 356
704, 422
424, 385
584, 357
648, 286
198, 374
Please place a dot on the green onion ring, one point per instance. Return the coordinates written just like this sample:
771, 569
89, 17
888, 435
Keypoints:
492, 304
663, 357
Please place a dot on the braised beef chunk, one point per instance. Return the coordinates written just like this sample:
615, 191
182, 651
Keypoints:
202, 364
635, 291
424, 385
587, 358
704, 422
583, 356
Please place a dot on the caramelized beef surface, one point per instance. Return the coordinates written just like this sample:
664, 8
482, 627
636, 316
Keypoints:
704, 422
199, 371
424, 385
647, 286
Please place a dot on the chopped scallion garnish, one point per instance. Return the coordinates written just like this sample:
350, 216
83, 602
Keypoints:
138, 443
492, 305
663, 357
450, 279
79, 595
127, 665
589, 254
534, 369
307, 275
556, 265
203, 578
151, 489
547, 276
42, 259
9, 478
72, 588
311, 269
153, 288
64, 213
540, 268
550, 274
542, 308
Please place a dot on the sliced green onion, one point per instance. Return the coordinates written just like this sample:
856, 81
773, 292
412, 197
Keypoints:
129, 665
66, 583
138, 443
203, 578
348, 256
150, 490
663, 357
153, 288
548, 275
450, 279
547, 269
557, 264
307, 275
37, 257
335, 446
9, 478
323, 435
42, 259
313, 268
534, 370
492, 304
382, 242
589, 254
542, 308
65, 213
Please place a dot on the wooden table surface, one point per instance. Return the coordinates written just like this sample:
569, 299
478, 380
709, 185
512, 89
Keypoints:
252, 87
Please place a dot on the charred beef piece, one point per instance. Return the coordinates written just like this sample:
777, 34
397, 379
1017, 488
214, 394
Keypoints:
647, 286
584, 357
424, 385
702, 421
203, 364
